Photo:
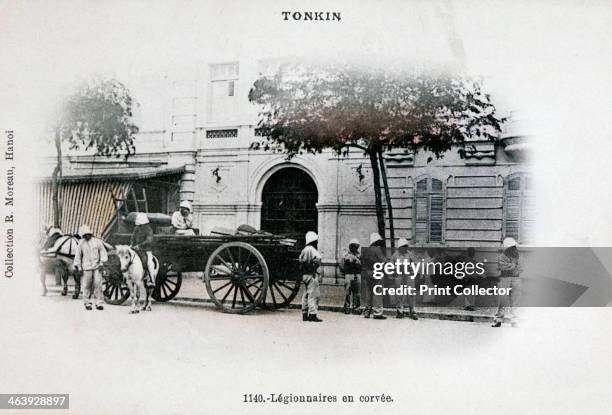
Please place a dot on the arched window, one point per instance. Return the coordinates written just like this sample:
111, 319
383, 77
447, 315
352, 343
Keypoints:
429, 211
518, 207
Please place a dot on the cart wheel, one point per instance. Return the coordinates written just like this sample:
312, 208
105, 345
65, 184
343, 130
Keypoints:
281, 292
115, 291
236, 277
168, 283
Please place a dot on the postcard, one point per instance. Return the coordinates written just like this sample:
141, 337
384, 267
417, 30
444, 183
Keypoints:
234, 207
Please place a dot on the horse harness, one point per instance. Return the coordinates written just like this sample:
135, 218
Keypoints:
132, 256
69, 239
145, 266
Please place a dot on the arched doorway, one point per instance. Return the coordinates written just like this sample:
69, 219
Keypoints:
289, 200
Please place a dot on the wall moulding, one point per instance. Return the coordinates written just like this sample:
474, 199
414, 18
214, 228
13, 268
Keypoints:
399, 158
479, 153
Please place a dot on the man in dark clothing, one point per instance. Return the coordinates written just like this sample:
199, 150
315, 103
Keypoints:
141, 240
370, 256
350, 265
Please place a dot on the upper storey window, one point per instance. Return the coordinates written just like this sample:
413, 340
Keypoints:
224, 87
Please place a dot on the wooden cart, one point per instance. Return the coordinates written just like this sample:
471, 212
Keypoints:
241, 272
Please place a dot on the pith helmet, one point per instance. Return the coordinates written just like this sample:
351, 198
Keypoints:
311, 237
375, 237
85, 230
53, 231
354, 241
141, 219
402, 242
509, 242
186, 204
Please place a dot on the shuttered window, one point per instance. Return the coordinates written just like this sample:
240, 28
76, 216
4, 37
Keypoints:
518, 208
429, 211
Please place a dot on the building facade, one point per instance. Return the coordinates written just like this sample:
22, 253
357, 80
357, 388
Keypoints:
200, 127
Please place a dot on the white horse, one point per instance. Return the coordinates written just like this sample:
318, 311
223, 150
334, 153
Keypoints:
134, 274
56, 256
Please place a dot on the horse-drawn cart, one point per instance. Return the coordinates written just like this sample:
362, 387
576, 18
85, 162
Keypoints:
240, 271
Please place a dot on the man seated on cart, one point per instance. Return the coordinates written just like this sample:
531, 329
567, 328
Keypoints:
141, 241
182, 221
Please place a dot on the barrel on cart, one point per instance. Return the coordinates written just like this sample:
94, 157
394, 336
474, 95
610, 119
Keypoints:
241, 270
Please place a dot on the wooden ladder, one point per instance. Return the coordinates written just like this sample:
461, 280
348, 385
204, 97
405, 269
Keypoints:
123, 204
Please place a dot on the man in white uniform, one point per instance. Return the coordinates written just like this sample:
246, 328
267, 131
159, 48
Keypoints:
310, 259
403, 280
90, 255
182, 221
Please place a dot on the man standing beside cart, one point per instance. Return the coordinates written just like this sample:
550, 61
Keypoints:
310, 259
89, 257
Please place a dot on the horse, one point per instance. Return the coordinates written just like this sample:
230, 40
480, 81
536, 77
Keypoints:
56, 255
134, 274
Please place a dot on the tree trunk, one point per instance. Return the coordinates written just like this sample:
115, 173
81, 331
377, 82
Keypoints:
380, 213
383, 172
56, 179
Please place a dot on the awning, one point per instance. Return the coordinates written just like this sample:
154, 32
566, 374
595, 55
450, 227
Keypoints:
88, 203
86, 192
117, 173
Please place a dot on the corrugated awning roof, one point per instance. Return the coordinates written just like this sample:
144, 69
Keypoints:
117, 173
88, 203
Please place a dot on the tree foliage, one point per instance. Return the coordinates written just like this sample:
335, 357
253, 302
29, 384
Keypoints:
98, 115
308, 108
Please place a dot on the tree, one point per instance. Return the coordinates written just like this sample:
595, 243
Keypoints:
311, 108
97, 115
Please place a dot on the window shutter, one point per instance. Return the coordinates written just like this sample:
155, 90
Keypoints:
514, 184
436, 185
513, 214
518, 212
422, 185
420, 234
435, 215
429, 211
527, 215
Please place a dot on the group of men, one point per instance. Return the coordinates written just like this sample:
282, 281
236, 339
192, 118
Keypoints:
353, 265
91, 253
356, 264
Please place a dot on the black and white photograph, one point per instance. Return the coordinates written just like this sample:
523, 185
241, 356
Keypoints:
286, 207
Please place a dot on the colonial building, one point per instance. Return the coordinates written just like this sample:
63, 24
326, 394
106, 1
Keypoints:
195, 144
